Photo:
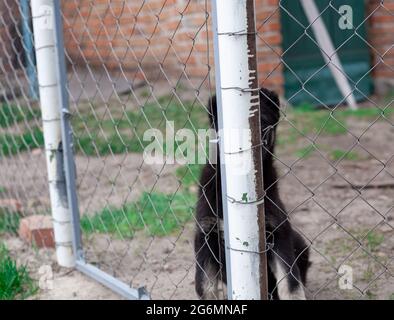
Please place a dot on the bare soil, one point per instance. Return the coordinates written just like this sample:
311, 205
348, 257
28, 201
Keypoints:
344, 225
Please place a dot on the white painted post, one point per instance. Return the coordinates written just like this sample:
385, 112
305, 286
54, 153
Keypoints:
328, 51
44, 38
241, 164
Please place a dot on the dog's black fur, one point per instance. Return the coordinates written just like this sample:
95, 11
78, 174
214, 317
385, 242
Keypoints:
209, 243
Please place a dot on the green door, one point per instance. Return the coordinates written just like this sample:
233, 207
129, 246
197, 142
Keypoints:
304, 63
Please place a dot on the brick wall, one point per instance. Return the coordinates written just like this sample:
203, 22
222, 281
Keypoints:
157, 37
380, 38
140, 36
9, 18
269, 42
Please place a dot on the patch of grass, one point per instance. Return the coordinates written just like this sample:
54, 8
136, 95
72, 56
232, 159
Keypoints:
318, 121
287, 137
145, 94
370, 295
309, 120
366, 113
15, 282
10, 114
368, 273
339, 246
338, 154
363, 112
99, 135
9, 221
305, 152
371, 240
391, 297
305, 107
189, 174
3, 190
11, 144
374, 240
305, 120
155, 213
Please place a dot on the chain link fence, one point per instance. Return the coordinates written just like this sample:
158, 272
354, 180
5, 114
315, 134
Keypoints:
138, 71
24, 183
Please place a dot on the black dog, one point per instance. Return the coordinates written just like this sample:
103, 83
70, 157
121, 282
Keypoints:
288, 258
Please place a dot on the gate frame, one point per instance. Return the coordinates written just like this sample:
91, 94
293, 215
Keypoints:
70, 173
246, 264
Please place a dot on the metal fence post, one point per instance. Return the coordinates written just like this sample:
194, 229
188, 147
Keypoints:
70, 174
48, 81
67, 136
239, 125
28, 49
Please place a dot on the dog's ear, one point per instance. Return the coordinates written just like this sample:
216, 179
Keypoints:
269, 102
213, 112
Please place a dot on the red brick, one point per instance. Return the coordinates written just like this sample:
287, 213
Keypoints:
37, 230
11, 205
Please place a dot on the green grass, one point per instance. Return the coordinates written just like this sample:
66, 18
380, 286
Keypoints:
9, 221
370, 240
370, 295
145, 94
339, 154
335, 154
374, 240
305, 152
189, 175
100, 135
157, 214
368, 273
305, 120
308, 120
3, 190
363, 112
10, 114
15, 282
12, 144
122, 131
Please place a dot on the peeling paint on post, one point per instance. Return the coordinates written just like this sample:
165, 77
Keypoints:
61, 181
255, 127
44, 39
241, 171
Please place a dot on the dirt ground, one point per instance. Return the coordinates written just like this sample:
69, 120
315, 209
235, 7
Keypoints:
344, 225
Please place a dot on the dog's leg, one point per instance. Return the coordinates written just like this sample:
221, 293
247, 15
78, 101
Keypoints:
287, 286
207, 281
207, 251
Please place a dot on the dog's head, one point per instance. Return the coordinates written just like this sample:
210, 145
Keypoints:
269, 118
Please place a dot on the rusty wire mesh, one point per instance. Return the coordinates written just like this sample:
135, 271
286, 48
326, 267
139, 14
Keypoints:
136, 65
